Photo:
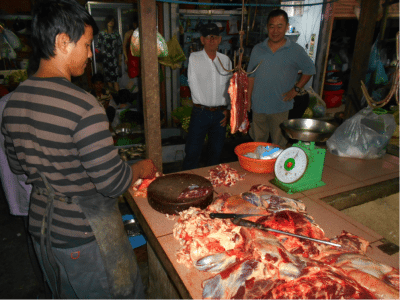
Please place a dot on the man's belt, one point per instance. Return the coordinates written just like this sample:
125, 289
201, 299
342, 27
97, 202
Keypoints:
211, 108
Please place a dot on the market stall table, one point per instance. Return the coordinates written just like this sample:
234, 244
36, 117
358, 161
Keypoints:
169, 279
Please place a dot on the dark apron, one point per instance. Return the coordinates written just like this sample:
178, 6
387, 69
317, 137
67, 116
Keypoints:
116, 251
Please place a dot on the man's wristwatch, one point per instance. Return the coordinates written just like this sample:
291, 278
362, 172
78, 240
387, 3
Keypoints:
297, 89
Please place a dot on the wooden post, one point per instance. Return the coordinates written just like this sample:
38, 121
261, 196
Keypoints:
362, 50
324, 43
150, 80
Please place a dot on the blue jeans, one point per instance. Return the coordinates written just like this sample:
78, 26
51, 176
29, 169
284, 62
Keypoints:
82, 272
203, 122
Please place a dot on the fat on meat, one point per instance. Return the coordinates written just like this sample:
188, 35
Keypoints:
251, 263
200, 236
140, 186
255, 273
297, 223
223, 174
262, 188
239, 102
257, 192
319, 282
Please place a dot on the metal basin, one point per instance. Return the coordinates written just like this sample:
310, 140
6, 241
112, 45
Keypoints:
308, 130
123, 131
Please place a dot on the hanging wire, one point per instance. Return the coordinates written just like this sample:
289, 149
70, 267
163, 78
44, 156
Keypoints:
237, 4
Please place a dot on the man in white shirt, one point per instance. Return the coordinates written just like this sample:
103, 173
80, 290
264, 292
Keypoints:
17, 194
208, 82
16, 191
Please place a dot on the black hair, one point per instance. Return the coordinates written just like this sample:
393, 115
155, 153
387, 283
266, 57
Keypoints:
110, 112
52, 17
276, 13
124, 96
97, 77
109, 18
33, 65
134, 19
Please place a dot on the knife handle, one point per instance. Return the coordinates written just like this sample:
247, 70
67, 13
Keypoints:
222, 216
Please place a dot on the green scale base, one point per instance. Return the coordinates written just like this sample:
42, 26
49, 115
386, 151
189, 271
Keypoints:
312, 177
296, 188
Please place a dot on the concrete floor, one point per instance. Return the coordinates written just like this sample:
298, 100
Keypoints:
381, 215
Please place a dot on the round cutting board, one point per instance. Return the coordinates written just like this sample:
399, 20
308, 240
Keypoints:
163, 193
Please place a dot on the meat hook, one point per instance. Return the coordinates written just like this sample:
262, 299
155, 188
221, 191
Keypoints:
239, 68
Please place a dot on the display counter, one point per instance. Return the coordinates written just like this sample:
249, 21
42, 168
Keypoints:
169, 279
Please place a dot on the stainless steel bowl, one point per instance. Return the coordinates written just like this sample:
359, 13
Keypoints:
123, 131
308, 130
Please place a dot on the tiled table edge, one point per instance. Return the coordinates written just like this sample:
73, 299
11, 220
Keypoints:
368, 231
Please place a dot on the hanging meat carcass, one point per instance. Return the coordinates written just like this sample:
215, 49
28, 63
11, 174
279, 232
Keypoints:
239, 102
238, 90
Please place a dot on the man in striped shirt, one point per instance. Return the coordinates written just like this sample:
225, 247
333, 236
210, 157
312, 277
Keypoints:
58, 135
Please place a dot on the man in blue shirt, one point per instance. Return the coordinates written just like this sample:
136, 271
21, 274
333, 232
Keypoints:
273, 85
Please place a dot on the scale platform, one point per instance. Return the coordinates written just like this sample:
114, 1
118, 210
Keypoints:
299, 168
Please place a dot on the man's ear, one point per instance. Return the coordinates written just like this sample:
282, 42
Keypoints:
63, 43
202, 40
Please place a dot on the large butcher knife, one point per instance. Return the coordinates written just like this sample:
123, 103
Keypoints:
246, 223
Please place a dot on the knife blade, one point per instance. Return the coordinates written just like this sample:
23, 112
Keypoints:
232, 216
246, 223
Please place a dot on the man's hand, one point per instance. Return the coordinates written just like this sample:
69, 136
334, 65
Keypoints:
289, 95
224, 121
144, 169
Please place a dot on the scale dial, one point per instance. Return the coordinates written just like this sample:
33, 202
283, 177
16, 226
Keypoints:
291, 165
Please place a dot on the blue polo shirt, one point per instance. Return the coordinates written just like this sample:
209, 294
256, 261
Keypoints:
276, 75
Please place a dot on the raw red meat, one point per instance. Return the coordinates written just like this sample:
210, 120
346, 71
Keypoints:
239, 102
252, 263
262, 188
297, 223
196, 192
140, 186
224, 175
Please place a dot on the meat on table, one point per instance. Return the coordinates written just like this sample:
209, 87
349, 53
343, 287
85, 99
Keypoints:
251, 263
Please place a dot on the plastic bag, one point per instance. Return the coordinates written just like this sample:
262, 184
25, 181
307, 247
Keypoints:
316, 107
8, 42
162, 48
365, 135
375, 65
175, 54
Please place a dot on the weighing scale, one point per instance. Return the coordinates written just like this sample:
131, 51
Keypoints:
299, 168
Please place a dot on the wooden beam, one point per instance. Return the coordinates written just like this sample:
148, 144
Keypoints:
321, 60
362, 50
150, 80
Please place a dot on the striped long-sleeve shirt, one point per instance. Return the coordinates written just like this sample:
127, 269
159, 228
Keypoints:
52, 126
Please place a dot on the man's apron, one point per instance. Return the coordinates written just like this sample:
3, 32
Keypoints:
106, 222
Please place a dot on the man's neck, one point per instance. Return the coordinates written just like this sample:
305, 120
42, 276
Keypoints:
211, 54
51, 68
275, 46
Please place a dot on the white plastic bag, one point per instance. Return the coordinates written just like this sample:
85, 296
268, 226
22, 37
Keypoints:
365, 135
